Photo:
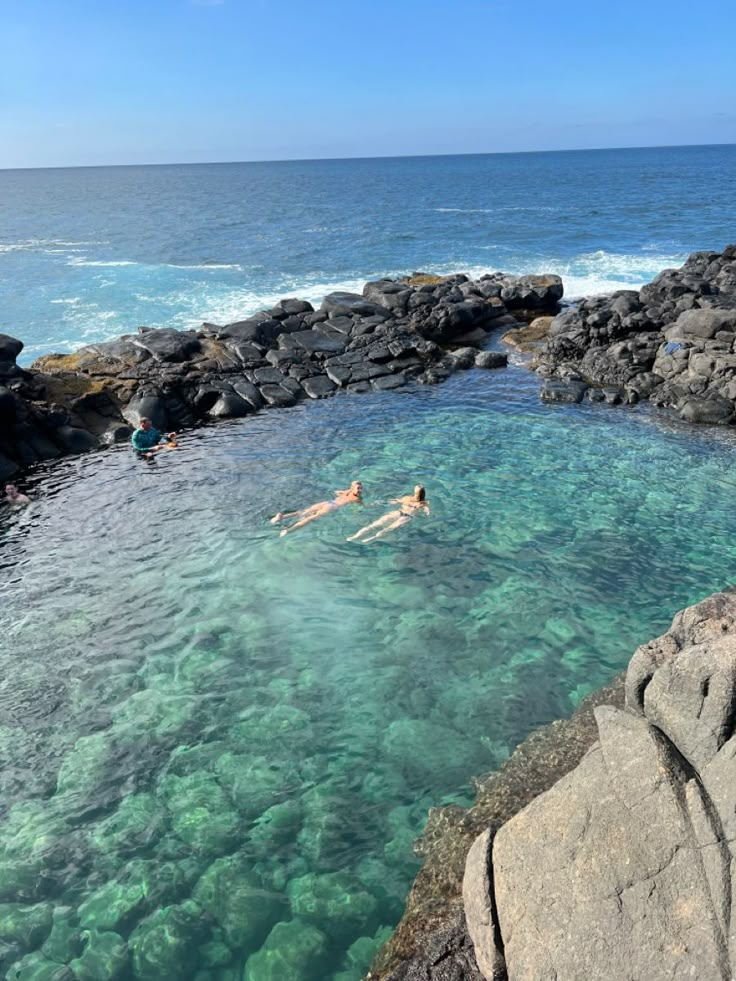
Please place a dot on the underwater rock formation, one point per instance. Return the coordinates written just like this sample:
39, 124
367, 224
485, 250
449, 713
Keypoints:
400, 331
672, 342
623, 868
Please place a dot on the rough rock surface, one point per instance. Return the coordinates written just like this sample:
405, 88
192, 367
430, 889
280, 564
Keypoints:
624, 868
604, 847
672, 342
431, 943
398, 332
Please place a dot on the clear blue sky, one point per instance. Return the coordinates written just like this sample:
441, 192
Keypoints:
154, 81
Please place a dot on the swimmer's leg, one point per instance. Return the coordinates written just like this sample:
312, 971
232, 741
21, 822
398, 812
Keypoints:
311, 514
374, 524
395, 524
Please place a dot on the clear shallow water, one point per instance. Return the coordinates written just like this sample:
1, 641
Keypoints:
206, 730
91, 253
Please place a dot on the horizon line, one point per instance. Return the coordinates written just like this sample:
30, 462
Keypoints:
398, 156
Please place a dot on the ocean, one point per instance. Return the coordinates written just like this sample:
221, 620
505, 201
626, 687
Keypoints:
217, 746
91, 253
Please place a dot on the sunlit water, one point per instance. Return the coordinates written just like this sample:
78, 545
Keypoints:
209, 733
93, 252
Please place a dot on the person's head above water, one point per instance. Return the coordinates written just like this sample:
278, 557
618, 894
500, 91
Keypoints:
356, 488
11, 490
419, 493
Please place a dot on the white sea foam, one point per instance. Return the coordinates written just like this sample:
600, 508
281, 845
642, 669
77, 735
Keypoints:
71, 300
586, 274
101, 262
43, 245
205, 265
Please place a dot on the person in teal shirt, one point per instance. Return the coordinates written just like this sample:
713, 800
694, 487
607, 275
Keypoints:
147, 439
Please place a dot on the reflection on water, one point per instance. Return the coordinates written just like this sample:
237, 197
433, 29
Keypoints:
216, 746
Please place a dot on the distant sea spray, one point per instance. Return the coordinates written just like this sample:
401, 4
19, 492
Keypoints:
175, 246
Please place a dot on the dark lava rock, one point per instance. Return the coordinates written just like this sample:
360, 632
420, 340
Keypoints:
10, 348
168, 345
152, 407
314, 341
556, 390
318, 387
275, 395
387, 382
230, 405
491, 359
713, 411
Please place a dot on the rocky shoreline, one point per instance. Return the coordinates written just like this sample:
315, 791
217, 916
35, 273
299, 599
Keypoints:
673, 342
416, 330
604, 847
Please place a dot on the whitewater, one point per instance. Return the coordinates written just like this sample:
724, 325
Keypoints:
90, 253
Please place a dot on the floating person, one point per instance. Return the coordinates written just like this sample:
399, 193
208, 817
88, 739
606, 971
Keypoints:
411, 505
353, 495
147, 440
14, 497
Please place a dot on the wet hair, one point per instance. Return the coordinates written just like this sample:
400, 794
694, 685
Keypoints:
421, 493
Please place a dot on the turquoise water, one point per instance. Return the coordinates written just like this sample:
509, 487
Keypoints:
216, 745
94, 252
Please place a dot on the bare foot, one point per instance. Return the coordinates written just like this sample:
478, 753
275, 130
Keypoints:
284, 532
276, 518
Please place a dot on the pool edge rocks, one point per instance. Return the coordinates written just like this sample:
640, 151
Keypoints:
415, 330
673, 342
607, 815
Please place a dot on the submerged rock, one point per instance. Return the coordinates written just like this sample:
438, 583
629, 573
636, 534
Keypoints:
233, 894
164, 947
292, 952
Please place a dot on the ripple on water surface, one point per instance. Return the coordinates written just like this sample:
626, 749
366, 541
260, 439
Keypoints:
217, 745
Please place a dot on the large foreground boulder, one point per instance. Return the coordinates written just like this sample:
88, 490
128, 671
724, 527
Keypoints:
625, 868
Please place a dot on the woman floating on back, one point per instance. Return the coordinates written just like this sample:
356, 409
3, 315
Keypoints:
411, 505
353, 495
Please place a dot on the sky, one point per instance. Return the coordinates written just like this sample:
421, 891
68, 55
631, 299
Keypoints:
90, 82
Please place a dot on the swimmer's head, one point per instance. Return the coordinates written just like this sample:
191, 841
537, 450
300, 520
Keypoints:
419, 493
356, 487
11, 490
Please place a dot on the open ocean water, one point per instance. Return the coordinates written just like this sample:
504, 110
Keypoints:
216, 745
92, 253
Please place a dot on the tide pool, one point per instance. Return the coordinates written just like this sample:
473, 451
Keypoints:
217, 746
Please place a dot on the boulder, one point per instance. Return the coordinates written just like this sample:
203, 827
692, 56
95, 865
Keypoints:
557, 390
10, 348
230, 405
701, 324
350, 304
707, 411
152, 407
165, 344
491, 359
76, 440
314, 341
277, 396
319, 386
463, 358
291, 307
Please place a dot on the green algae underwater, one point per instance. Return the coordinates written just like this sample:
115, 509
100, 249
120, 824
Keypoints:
217, 746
